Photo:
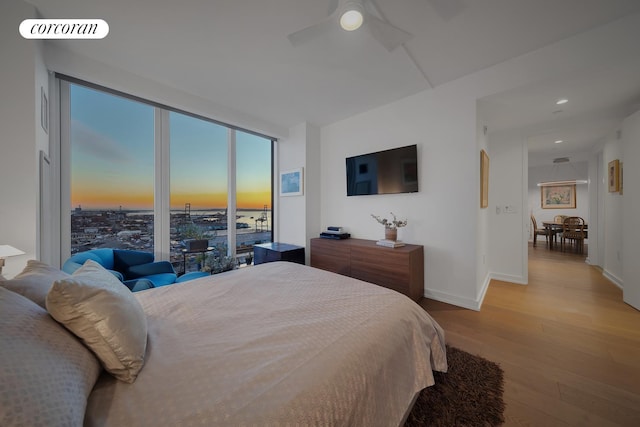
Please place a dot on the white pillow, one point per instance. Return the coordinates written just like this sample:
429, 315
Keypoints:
46, 374
100, 310
35, 281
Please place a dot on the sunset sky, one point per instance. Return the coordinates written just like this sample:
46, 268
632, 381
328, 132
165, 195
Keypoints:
112, 157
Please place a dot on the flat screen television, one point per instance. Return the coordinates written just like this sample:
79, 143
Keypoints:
383, 172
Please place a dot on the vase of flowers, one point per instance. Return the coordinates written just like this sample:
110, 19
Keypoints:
391, 234
390, 226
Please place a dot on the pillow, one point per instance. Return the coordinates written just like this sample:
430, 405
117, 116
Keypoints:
46, 373
97, 308
35, 281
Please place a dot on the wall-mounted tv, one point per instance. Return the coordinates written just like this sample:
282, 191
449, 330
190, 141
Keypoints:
383, 172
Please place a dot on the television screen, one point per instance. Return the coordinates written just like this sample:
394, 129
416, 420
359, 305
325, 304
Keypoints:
383, 172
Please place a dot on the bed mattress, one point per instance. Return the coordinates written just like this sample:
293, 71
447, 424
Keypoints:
277, 344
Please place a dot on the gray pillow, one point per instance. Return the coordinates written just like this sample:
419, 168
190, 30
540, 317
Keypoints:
35, 281
46, 373
98, 309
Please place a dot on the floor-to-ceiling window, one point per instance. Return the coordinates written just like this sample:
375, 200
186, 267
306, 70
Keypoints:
199, 187
116, 180
253, 192
111, 171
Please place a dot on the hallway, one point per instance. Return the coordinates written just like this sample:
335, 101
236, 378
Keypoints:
569, 345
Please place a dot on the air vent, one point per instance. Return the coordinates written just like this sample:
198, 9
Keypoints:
561, 160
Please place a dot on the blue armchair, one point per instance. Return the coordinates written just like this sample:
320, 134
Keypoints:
136, 269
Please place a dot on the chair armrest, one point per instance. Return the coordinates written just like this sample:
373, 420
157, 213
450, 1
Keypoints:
70, 267
136, 285
117, 274
148, 269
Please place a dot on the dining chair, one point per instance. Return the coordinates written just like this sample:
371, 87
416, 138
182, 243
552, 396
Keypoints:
573, 231
538, 231
559, 218
558, 233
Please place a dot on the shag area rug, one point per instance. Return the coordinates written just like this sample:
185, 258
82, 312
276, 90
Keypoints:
470, 394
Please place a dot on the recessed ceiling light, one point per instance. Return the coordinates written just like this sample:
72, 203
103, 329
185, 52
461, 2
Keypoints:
352, 16
562, 101
559, 141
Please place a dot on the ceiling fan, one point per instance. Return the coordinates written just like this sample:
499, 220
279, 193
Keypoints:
350, 15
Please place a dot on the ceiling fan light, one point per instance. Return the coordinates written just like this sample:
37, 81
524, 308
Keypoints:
352, 18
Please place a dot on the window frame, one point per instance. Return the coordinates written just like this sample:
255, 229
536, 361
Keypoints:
162, 211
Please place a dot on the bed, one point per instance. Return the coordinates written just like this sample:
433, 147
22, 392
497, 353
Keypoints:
276, 344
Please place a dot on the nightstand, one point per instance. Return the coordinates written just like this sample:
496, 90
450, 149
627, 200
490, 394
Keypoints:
274, 251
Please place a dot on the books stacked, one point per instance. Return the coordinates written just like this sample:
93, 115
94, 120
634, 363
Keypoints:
337, 233
390, 243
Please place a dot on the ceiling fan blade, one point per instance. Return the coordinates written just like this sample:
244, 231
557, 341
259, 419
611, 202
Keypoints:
307, 34
388, 35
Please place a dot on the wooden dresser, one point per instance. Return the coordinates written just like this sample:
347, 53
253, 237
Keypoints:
400, 269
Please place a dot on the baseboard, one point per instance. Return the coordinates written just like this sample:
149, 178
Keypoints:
613, 278
483, 290
472, 304
509, 278
452, 299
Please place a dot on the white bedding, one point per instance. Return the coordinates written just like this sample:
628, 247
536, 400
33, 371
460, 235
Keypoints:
277, 344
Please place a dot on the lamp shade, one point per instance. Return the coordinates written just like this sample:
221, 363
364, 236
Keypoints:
7, 251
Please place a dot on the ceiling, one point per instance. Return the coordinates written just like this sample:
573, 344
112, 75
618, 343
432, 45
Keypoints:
236, 54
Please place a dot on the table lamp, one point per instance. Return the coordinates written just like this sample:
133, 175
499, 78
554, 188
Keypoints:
7, 251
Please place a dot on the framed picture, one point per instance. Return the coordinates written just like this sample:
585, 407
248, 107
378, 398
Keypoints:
484, 179
614, 176
291, 182
558, 196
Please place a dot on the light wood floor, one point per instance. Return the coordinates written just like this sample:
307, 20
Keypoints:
569, 346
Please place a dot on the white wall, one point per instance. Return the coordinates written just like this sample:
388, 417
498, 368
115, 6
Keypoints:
596, 208
508, 214
559, 172
299, 216
21, 76
631, 210
612, 263
313, 186
483, 238
442, 215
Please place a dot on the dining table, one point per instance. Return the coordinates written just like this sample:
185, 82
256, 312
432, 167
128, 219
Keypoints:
554, 227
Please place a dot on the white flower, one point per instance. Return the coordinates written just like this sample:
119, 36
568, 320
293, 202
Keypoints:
393, 224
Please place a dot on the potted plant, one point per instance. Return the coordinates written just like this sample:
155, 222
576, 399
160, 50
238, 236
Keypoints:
219, 261
390, 226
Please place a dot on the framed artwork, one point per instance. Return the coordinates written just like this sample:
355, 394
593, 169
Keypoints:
558, 196
614, 176
484, 179
291, 182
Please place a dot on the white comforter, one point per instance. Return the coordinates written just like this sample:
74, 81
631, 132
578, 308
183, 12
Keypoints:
277, 344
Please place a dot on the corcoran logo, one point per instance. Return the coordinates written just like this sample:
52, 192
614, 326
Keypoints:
64, 29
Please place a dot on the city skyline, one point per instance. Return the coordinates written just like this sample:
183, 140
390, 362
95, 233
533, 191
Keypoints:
112, 156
